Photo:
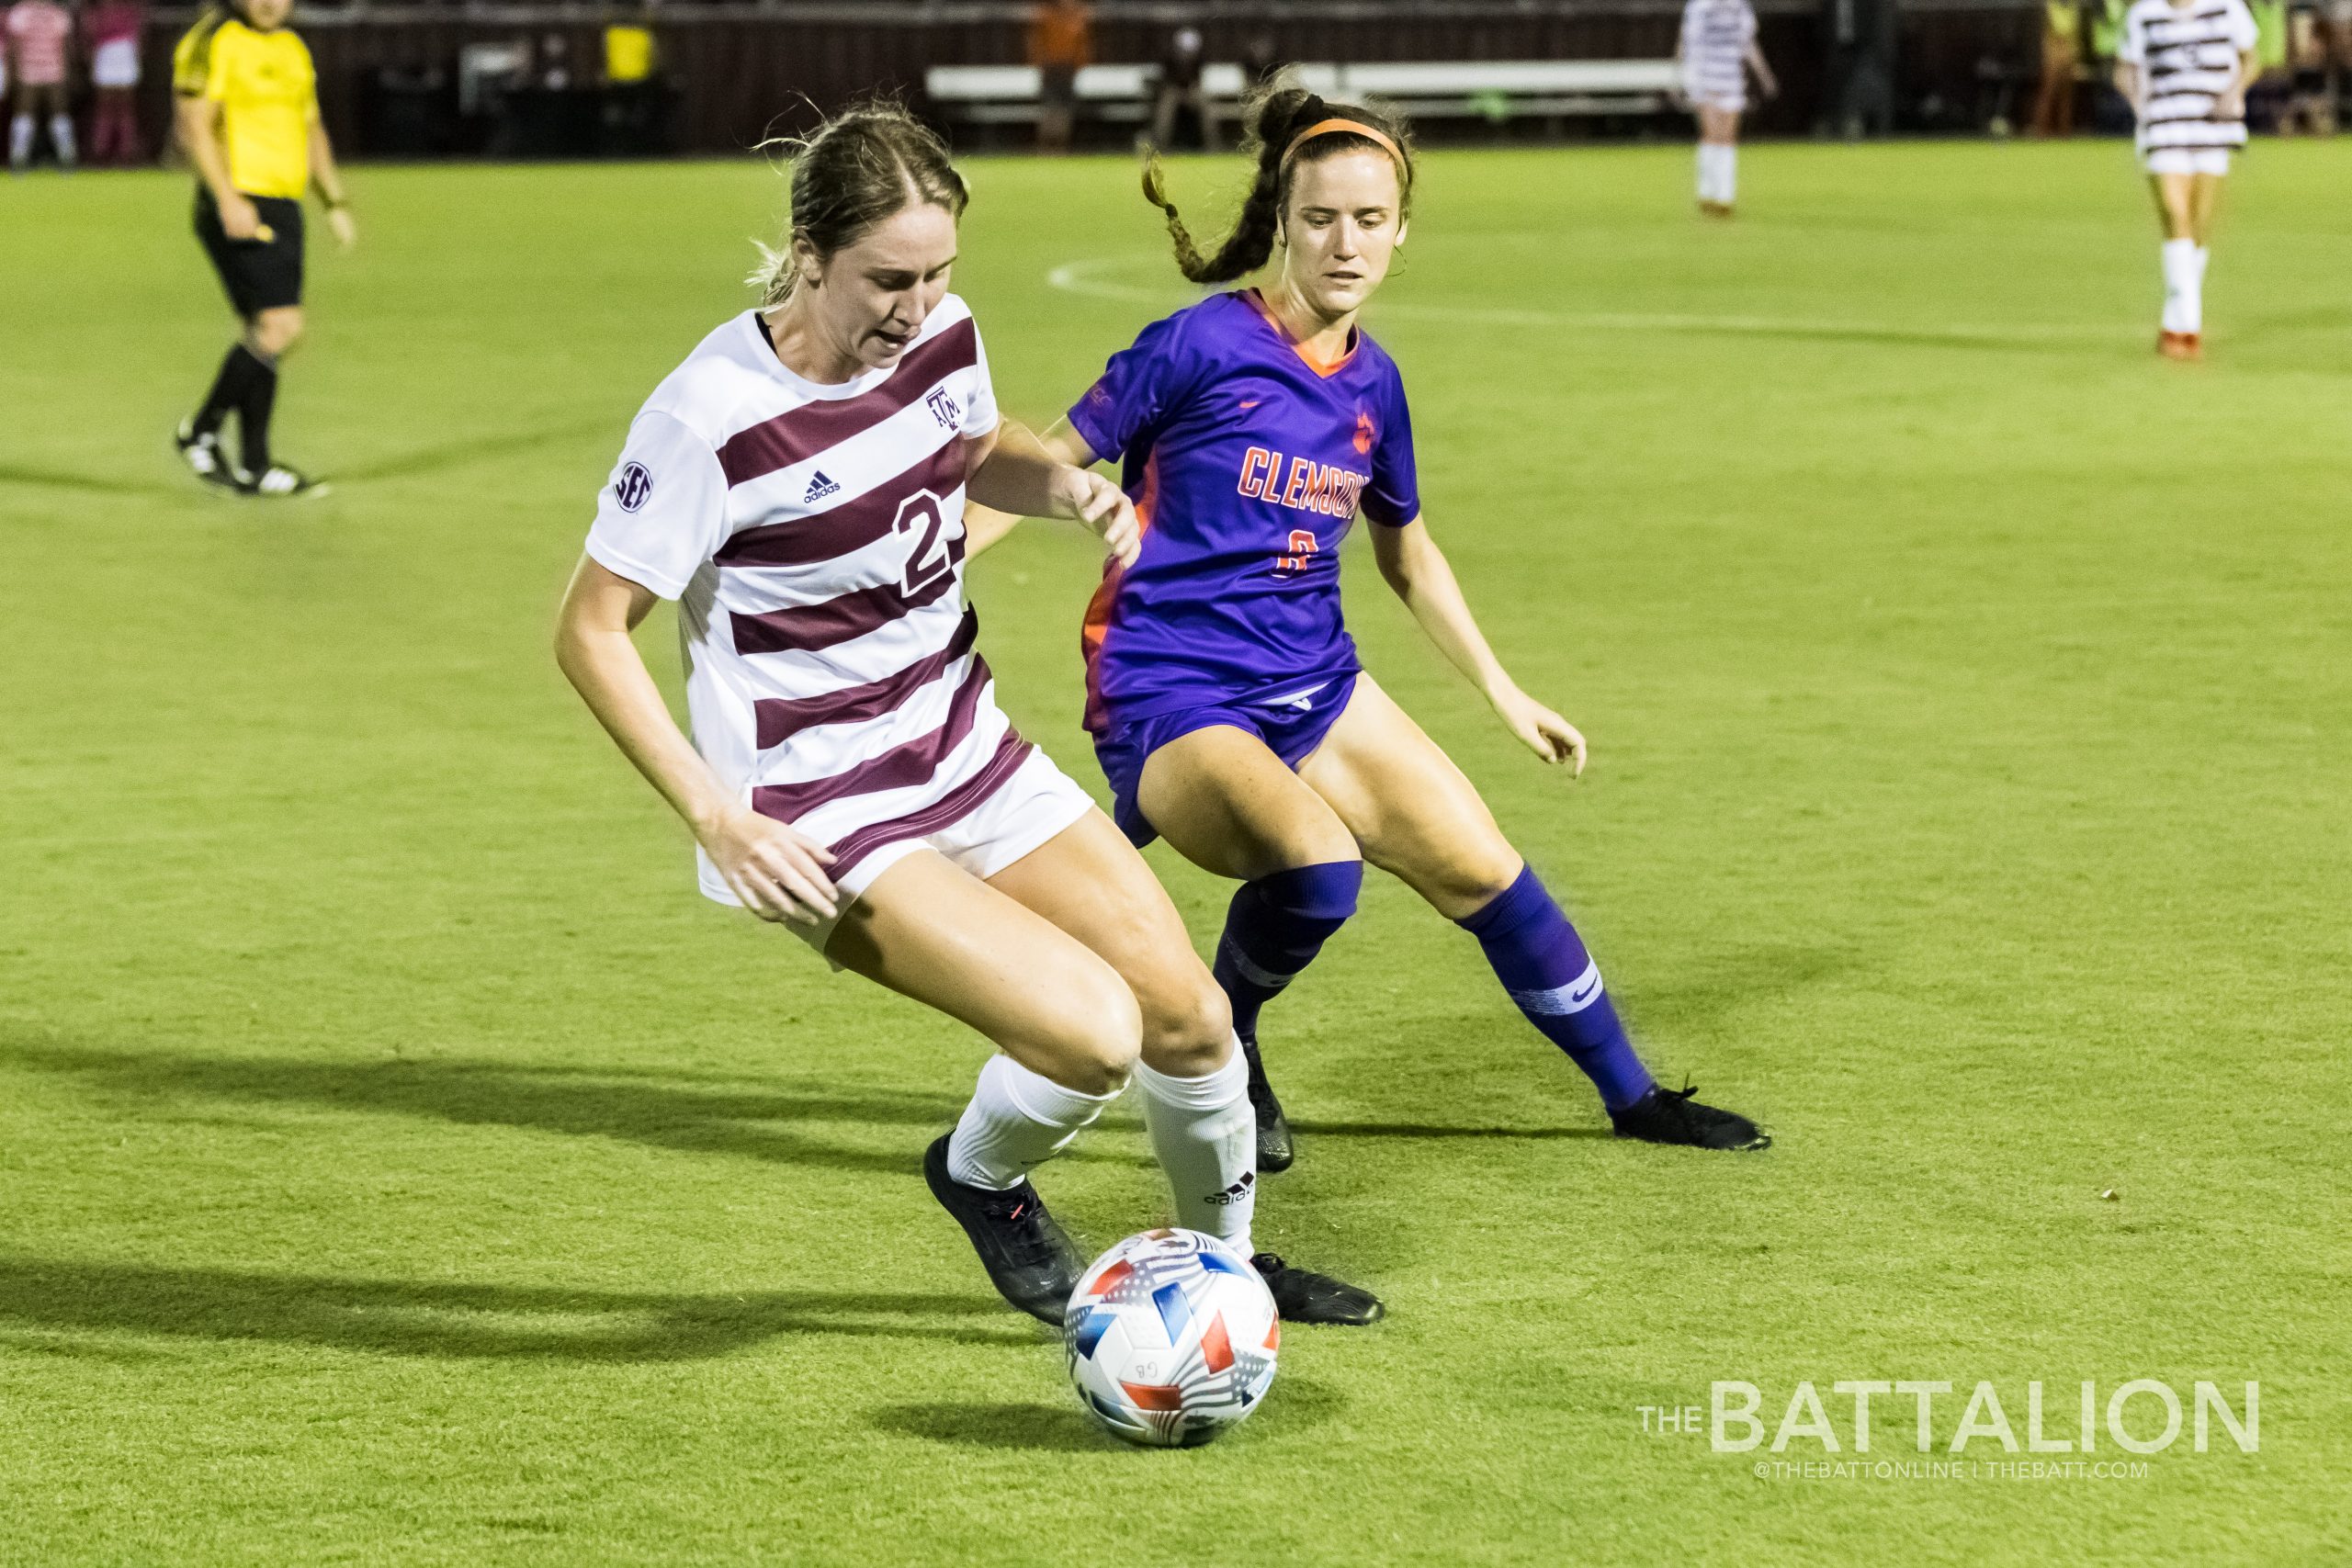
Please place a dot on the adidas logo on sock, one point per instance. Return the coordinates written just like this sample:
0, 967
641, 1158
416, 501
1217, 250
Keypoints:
819, 487
1238, 1191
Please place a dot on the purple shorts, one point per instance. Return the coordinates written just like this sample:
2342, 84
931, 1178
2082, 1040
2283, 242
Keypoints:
1291, 731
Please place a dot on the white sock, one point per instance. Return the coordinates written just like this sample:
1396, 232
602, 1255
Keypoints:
1706, 163
61, 135
20, 139
1017, 1121
1206, 1137
2182, 304
1727, 174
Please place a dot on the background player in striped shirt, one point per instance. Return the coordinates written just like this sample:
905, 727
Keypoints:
248, 115
1716, 50
114, 29
798, 485
38, 36
1228, 708
2185, 66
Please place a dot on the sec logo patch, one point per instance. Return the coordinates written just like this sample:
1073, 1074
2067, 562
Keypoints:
634, 485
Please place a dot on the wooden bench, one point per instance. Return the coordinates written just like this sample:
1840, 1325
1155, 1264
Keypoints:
1503, 89
1482, 89
1007, 95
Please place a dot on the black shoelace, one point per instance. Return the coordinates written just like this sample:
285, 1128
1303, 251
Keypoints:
1019, 1211
1679, 1099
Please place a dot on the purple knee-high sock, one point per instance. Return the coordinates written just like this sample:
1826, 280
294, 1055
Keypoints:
1541, 962
1274, 930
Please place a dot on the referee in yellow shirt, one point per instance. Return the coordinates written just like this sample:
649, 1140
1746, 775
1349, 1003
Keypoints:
248, 114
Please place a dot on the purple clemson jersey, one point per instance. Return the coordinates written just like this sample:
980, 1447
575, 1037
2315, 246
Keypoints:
1247, 462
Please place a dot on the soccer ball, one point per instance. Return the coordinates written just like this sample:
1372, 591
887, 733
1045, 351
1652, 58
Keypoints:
1171, 1337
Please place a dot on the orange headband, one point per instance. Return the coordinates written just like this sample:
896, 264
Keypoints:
1353, 127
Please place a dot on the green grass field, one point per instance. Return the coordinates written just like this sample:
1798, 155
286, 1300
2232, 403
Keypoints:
401, 1164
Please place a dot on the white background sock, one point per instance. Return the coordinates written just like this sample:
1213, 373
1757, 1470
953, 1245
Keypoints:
61, 137
1706, 162
1206, 1137
20, 138
1727, 181
1017, 1121
2180, 286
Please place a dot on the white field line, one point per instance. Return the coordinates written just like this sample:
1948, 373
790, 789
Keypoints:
1084, 278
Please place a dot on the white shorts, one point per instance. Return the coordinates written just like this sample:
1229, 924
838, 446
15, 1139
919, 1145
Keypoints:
1036, 802
2186, 160
115, 63
1722, 102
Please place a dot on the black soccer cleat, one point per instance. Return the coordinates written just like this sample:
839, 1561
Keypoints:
1304, 1297
201, 452
1275, 1149
1671, 1116
1030, 1261
279, 482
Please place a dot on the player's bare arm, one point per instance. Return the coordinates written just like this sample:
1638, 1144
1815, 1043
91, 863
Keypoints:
326, 178
197, 120
1419, 573
1065, 443
984, 525
1016, 475
1763, 69
775, 870
2233, 102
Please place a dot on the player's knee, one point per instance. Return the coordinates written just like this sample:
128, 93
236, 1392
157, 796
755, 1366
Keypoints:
1319, 838
1187, 1031
1467, 882
1096, 1033
277, 331
1490, 880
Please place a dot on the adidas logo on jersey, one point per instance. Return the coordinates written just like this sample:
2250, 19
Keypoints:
819, 487
1238, 1191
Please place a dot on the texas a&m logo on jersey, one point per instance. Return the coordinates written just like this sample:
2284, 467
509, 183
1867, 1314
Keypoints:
942, 407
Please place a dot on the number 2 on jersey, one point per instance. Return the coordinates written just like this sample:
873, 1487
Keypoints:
933, 556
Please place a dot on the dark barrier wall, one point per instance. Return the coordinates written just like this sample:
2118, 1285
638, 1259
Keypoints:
736, 73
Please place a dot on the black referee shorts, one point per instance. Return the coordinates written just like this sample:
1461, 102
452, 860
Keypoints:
260, 274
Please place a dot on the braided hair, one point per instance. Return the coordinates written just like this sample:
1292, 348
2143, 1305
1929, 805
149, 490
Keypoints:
1275, 119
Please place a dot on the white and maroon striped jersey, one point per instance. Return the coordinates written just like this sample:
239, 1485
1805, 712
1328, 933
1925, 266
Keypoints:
813, 537
1715, 35
2187, 57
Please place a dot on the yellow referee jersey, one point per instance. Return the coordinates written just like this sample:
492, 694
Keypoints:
268, 98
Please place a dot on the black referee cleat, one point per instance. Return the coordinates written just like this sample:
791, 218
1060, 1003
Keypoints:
1671, 1116
204, 457
278, 482
1274, 1150
1030, 1261
1304, 1297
